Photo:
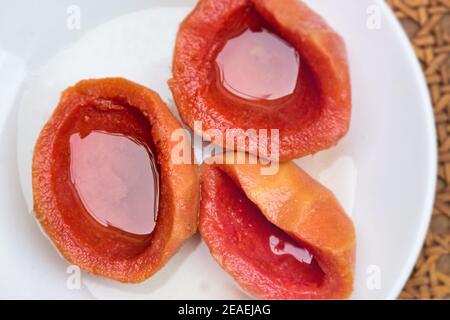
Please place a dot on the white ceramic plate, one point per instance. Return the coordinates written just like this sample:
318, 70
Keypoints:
383, 172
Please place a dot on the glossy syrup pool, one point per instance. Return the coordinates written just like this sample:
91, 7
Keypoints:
116, 179
247, 232
281, 247
256, 63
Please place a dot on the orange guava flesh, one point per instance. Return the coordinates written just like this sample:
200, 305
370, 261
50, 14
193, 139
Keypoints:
118, 106
313, 118
245, 225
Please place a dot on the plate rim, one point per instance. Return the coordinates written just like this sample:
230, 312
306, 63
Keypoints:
432, 152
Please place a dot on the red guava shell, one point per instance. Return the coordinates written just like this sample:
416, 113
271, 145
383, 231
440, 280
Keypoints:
315, 120
86, 243
292, 202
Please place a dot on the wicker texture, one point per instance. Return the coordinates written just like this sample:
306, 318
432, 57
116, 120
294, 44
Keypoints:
427, 23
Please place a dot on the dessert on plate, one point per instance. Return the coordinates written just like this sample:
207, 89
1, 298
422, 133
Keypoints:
112, 199
105, 189
263, 64
283, 236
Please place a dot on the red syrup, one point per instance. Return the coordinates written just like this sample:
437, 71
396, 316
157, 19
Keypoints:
256, 64
247, 233
116, 179
281, 247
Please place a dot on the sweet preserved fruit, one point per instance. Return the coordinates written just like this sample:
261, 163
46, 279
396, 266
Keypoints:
105, 189
263, 64
282, 236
